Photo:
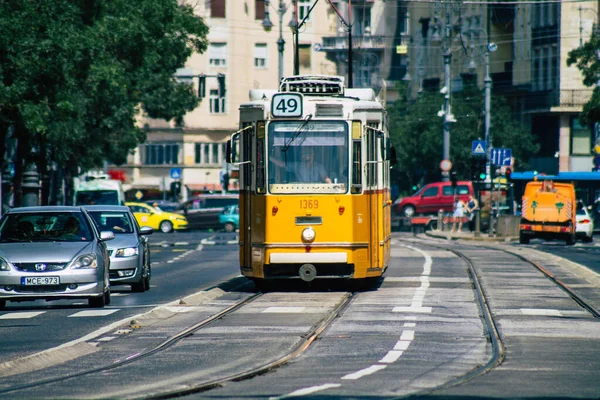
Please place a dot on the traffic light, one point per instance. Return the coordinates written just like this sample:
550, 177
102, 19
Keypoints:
225, 181
221, 80
507, 174
478, 169
175, 190
453, 178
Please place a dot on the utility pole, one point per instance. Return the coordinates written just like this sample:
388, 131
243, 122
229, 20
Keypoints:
447, 113
487, 85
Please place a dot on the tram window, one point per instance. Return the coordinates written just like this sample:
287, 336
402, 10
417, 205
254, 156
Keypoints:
356, 169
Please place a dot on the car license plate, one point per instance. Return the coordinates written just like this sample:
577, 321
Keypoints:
40, 280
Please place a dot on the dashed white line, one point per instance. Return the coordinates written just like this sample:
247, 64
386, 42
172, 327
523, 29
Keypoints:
284, 310
364, 372
21, 315
308, 390
93, 313
391, 357
541, 312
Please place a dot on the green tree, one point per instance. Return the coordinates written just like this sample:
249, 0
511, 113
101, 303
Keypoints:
587, 59
416, 132
75, 74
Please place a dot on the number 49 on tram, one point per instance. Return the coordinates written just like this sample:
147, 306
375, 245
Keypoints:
314, 163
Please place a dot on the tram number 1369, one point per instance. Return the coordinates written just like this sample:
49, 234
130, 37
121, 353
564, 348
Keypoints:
309, 204
287, 105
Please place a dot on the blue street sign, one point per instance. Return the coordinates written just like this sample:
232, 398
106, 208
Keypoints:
478, 148
501, 157
175, 173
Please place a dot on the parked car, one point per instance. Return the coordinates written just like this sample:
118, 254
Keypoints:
53, 252
164, 205
157, 219
229, 218
584, 225
202, 212
129, 251
434, 197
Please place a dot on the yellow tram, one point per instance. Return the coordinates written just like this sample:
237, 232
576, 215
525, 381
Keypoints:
314, 168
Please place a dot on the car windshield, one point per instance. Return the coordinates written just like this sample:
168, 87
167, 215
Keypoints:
118, 222
101, 197
45, 226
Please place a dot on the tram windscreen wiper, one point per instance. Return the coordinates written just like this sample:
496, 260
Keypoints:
297, 133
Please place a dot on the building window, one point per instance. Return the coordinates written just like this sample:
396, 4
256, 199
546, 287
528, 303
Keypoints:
362, 21
260, 55
209, 153
218, 54
217, 8
581, 138
259, 9
304, 55
303, 8
217, 103
161, 154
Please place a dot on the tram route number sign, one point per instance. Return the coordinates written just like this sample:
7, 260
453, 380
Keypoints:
286, 105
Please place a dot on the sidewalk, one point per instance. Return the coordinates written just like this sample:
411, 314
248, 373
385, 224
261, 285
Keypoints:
466, 235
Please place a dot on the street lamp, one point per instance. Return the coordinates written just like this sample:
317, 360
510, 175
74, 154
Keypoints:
267, 24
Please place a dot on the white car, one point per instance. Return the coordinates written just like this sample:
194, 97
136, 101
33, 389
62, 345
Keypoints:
584, 228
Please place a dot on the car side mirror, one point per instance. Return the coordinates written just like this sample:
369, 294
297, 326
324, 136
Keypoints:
107, 235
146, 230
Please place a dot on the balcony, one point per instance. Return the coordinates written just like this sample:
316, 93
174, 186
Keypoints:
368, 42
567, 98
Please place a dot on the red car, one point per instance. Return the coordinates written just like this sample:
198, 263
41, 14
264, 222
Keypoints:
434, 197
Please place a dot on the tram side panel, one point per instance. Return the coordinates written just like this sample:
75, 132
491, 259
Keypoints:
341, 225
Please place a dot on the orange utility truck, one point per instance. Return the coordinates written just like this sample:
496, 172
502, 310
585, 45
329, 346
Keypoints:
548, 212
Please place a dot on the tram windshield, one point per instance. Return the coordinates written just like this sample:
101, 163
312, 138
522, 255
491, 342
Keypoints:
308, 157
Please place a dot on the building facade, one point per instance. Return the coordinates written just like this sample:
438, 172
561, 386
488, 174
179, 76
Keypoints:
527, 63
243, 54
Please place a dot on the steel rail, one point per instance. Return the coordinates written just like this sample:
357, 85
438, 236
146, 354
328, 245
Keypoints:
296, 351
145, 354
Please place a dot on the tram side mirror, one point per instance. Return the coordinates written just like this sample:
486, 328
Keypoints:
232, 150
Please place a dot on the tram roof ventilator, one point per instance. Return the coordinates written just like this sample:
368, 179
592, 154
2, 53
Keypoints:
314, 84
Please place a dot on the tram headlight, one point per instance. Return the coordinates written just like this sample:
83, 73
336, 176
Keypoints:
308, 235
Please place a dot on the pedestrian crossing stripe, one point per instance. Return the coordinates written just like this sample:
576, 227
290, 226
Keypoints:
32, 314
479, 149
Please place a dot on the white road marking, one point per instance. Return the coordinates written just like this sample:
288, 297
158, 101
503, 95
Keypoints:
94, 313
107, 338
284, 310
411, 309
402, 345
364, 372
544, 312
391, 357
113, 294
21, 315
410, 325
308, 390
407, 335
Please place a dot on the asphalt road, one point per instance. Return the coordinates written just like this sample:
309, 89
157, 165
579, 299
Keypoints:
181, 265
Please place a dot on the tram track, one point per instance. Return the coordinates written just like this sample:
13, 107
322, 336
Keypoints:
197, 387
492, 331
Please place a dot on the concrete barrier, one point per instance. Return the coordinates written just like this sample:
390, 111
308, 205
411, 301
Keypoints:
508, 225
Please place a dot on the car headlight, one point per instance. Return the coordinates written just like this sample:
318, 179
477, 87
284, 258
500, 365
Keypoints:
127, 252
181, 219
4, 265
85, 261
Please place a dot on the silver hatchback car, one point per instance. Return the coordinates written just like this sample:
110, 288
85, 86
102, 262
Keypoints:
53, 252
129, 251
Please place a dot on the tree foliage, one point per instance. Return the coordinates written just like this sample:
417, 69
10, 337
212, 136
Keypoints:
417, 133
587, 58
75, 74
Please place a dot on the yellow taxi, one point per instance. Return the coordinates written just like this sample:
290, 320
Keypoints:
157, 219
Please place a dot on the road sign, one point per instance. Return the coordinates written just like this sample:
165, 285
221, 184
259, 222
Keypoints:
478, 148
446, 165
501, 157
175, 173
